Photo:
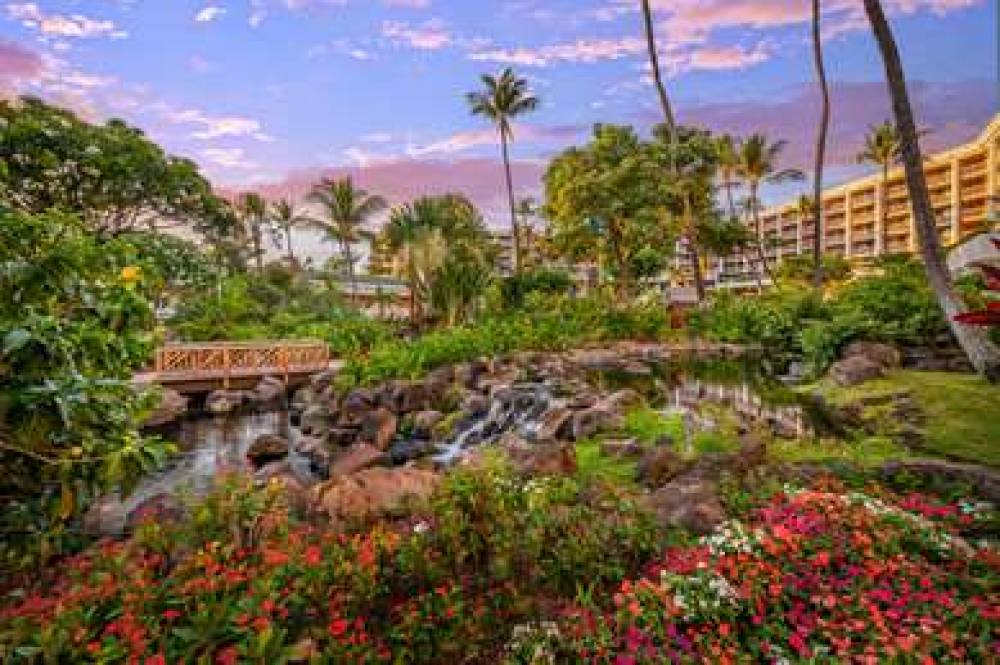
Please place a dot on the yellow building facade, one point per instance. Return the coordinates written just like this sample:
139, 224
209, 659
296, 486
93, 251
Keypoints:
868, 218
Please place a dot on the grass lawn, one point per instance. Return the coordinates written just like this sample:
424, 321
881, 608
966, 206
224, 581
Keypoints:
963, 410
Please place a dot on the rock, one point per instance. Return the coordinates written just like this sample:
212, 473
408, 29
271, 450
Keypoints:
402, 452
555, 424
358, 457
303, 398
752, 453
265, 449
424, 423
315, 450
323, 380
354, 406
378, 428
589, 422
621, 448
222, 402
883, 355
269, 392
159, 509
985, 482
689, 503
468, 374
543, 459
372, 493
475, 405
855, 370
342, 437
295, 493
620, 402
316, 420
659, 466
171, 406
403, 397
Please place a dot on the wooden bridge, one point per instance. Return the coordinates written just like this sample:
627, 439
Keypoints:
198, 367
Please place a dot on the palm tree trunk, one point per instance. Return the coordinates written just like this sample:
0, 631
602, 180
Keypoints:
699, 280
883, 213
983, 354
654, 63
727, 182
258, 253
288, 241
824, 126
758, 230
510, 197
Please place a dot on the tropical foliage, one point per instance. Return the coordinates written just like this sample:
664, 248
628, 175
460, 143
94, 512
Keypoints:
75, 322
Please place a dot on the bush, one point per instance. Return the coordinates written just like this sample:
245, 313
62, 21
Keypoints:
75, 323
515, 289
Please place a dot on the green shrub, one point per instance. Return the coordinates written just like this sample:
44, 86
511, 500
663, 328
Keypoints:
515, 288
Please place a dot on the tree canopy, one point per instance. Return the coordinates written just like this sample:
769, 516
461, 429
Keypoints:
110, 175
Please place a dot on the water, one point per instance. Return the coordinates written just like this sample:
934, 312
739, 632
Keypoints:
208, 447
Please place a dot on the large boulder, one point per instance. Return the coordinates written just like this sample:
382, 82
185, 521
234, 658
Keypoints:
855, 370
224, 402
316, 451
555, 424
342, 437
355, 405
541, 459
588, 422
378, 428
424, 423
157, 509
983, 481
884, 355
373, 492
403, 397
170, 407
270, 392
267, 448
316, 420
659, 466
689, 502
358, 457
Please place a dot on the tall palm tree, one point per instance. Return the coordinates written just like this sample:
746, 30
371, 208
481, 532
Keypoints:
728, 165
654, 65
252, 210
284, 215
983, 354
882, 149
502, 99
824, 127
758, 164
345, 209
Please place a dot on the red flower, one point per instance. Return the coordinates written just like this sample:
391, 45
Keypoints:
313, 555
338, 627
158, 659
170, 615
228, 656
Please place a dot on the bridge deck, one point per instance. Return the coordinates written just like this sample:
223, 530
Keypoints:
214, 363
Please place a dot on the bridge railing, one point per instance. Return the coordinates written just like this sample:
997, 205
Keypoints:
236, 359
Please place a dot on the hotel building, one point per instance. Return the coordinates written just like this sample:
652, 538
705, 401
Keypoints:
865, 219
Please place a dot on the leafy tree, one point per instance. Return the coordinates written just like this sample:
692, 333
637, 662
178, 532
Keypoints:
252, 210
503, 98
728, 163
111, 176
609, 199
75, 323
346, 209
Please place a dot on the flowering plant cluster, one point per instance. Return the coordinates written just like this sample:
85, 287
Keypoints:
240, 582
810, 576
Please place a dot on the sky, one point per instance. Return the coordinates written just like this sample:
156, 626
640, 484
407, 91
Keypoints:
272, 94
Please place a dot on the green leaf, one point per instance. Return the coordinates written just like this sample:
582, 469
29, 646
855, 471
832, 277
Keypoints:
15, 340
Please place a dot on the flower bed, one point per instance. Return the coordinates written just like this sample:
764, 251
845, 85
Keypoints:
811, 576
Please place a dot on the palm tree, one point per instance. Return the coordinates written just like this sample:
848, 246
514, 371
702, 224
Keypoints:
407, 228
284, 215
824, 127
502, 99
728, 166
758, 164
346, 209
654, 64
882, 148
527, 208
252, 210
982, 353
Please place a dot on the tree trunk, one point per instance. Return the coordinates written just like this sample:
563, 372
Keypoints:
692, 238
510, 196
258, 252
758, 230
654, 63
883, 213
288, 240
983, 355
824, 126
728, 184
349, 258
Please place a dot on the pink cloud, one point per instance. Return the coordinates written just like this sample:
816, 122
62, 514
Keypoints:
19, 64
